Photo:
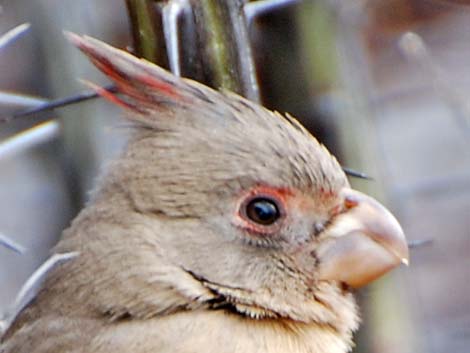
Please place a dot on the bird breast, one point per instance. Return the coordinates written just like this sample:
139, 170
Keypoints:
218, 332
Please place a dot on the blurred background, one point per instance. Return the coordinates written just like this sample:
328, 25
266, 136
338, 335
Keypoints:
383, 83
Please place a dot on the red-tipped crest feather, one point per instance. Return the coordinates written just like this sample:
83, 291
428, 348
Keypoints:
136, 78
109, 96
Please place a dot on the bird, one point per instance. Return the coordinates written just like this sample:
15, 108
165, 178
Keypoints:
222, 227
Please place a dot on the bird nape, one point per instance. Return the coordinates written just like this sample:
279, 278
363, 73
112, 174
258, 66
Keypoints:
222, 227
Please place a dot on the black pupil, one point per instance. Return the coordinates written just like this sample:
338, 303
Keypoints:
262, 211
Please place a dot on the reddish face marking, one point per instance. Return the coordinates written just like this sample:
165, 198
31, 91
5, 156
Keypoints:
336, 210
278, 196
292, 204
281, 193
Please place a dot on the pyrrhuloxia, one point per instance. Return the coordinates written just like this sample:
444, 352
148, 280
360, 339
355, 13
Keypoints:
223, 227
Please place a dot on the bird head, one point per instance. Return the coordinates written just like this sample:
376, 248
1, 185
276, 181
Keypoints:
229, 205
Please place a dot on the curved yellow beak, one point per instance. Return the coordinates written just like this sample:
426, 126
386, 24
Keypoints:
362, 243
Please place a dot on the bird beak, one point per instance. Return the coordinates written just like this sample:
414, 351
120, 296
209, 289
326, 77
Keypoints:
362, 243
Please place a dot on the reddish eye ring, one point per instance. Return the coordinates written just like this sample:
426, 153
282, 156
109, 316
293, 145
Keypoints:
262, 210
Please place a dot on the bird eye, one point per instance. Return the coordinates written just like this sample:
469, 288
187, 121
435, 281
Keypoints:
263, 211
